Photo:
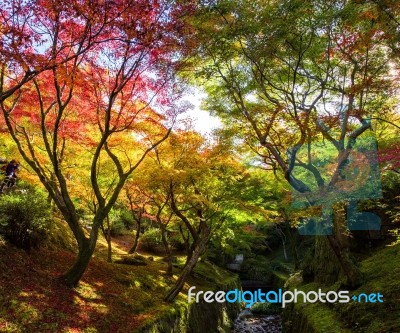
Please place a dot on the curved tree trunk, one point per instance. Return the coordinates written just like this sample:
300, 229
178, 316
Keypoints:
75, 273
199, 250
86, 248
186, 242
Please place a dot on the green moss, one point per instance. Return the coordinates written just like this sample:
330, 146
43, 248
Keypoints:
61, 236
279, 279
324, 320
214, 274
195, 317
381, 272
266, 308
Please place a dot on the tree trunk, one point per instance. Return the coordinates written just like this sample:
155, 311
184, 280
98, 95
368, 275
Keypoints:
340, 245
137, 235
109, 245
167, 249
200, 248
293, 247
187, 245
107, 236
325, 265
190, 250
75, 273
283, 238
353, 274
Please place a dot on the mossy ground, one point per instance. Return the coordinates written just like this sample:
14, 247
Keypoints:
382, 274
110, 297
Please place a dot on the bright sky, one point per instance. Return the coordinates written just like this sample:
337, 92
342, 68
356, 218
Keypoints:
203, 122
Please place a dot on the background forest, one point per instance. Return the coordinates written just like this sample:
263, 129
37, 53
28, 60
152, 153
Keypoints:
121, 205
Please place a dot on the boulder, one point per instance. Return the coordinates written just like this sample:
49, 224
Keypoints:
135, 260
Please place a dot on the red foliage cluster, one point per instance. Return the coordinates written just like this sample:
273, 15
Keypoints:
90, 56
390, 157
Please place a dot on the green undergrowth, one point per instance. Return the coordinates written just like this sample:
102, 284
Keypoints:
381, 274
60, 236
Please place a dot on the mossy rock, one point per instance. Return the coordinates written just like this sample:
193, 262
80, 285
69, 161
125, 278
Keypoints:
174, 259
266, 308
294, 280
135, 260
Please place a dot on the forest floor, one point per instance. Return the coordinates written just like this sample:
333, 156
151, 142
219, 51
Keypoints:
109, 298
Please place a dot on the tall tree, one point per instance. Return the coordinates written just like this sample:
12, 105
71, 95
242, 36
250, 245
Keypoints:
186, 185
285, 75
103, 98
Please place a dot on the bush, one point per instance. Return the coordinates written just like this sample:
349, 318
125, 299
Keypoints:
117, 228
151, 240
120, 222
256, 268
24, 218
176, 241
266, 308
125, 217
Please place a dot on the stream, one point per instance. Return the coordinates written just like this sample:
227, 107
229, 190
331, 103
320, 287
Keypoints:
246, 322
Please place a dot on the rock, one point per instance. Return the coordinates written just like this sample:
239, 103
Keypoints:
135, 260
294, 280
246, 322
173, 259
234, 267
139, 257
245, 314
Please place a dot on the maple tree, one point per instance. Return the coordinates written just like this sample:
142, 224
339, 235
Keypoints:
193, 179
185, 186
301, 73
106, 91
151, 200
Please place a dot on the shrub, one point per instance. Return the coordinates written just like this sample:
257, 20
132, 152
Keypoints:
151, 240
119, 220
117, 227
24, 218
176, 241
125, 216
257, 268
266, 308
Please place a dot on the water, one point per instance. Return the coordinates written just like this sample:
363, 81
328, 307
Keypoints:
246, 322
